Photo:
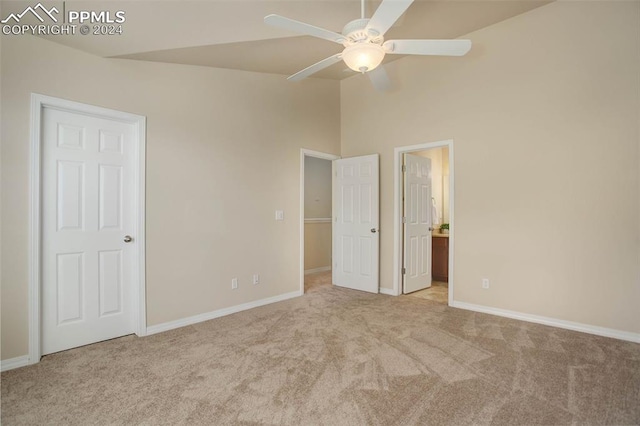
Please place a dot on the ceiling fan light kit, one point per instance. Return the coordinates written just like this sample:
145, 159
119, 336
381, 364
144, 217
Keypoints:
363, 57
363, 40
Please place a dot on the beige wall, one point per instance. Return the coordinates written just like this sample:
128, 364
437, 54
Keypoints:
317, 187
223, 153
544, 113
445, 185
317, 204
317, 245
435, 155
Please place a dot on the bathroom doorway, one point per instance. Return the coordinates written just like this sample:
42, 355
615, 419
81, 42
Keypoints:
423, 237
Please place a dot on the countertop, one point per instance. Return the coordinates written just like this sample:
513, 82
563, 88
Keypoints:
439, 235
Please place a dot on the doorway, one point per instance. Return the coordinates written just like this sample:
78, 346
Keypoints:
87, 256
423, 247
315, 219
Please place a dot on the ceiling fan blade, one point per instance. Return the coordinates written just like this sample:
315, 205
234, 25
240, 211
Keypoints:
387, 14
301, 27
316, 67
380, 79
428, 47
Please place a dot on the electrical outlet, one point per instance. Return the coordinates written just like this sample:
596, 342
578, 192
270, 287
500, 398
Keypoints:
279, 214
485, 283
256, 279
234, 283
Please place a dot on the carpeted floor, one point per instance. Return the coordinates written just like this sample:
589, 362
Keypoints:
336, 357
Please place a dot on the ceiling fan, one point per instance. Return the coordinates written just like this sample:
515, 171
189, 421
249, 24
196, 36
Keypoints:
364, 44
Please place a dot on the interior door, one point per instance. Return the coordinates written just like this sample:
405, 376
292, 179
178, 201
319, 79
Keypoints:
417, 223
87, 211
356, 233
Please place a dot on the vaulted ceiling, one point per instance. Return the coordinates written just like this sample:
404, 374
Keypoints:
232, 34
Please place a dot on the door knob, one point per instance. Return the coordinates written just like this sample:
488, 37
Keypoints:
127, 238
374, 230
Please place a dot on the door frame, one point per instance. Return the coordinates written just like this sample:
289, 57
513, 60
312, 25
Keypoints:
397, 213
38, 103
317, 154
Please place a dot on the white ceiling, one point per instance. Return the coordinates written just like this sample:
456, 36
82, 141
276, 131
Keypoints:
231, 34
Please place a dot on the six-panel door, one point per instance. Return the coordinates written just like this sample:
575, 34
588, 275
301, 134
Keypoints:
356, 223
87, 209
417, 223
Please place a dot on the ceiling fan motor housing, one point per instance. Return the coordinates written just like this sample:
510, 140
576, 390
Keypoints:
355, 32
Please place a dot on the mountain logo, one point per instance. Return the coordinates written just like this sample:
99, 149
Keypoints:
34, 11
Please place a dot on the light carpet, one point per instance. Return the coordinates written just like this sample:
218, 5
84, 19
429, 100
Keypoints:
336, 357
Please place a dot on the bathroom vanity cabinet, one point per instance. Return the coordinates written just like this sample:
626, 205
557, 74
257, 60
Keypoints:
440, 257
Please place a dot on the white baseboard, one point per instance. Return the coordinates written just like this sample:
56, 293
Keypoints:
11, 363
569, 325
321, 269
159, 328
387, 291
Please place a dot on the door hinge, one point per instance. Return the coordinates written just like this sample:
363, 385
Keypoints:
404, 271
404, 168
404, 219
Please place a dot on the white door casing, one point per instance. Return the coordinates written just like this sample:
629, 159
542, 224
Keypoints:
356, 233
417, 223
89, 205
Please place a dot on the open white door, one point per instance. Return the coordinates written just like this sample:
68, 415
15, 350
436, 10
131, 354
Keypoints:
417, 223
356, 237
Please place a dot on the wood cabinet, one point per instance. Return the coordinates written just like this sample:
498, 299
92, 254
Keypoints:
440, 258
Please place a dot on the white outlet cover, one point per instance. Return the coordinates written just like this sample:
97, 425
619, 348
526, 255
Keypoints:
279, 214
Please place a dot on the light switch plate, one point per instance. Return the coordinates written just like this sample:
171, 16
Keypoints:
279, 214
